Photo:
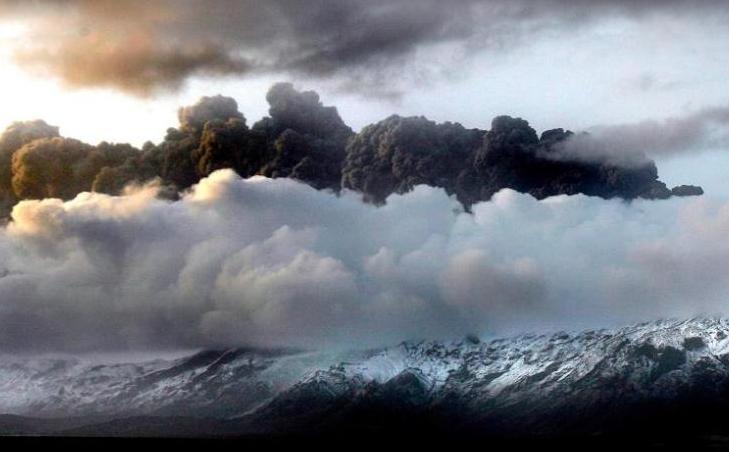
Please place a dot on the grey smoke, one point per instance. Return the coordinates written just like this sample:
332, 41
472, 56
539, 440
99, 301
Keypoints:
628, 144
276, 262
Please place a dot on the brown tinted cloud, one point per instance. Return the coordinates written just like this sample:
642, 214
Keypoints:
127, 45
143, 47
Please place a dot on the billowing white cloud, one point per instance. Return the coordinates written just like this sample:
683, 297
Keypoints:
277, 263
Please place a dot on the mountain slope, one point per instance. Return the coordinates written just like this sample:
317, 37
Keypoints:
670, 372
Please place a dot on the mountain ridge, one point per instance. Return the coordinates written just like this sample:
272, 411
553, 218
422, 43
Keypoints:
536, 383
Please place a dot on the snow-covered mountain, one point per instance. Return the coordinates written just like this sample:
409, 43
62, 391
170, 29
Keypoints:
539, 383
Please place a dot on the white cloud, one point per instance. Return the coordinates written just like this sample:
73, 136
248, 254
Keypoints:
277, 263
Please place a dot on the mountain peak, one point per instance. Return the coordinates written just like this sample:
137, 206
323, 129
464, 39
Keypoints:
522, 378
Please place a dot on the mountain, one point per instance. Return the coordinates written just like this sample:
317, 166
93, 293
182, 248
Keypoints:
659, 379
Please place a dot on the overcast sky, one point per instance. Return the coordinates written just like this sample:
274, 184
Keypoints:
575, 65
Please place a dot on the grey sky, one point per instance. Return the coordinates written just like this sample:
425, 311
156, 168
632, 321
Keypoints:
555, 63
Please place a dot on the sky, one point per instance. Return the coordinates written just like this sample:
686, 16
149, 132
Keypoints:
650, 76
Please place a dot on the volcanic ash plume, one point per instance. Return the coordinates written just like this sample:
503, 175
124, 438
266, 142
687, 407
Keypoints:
304, 140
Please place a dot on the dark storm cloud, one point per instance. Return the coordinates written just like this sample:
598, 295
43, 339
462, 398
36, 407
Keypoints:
142, 47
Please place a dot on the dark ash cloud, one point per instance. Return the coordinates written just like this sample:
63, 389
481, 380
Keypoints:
305, 140
398, 153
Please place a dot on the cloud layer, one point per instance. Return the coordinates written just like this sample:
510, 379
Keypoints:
143, 47
276, 262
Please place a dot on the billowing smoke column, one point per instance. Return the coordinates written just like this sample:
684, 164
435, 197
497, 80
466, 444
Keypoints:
396, 154
35, 162
301, 139
14, 137
513, 157
305, 140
